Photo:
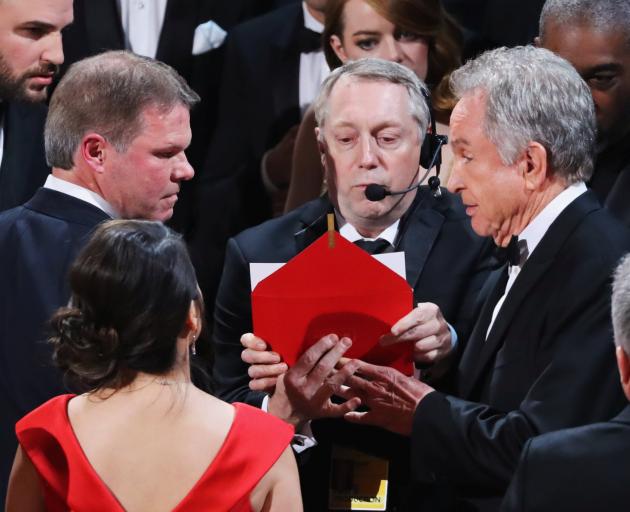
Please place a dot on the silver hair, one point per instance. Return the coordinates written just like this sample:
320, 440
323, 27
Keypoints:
621, 304
107, 94
378, 70
533, 95
603, 15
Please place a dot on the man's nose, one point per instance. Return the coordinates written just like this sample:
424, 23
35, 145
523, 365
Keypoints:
53, 52
368, 150
454, 183
183, 171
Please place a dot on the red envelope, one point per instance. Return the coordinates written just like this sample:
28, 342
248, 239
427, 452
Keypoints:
340, 290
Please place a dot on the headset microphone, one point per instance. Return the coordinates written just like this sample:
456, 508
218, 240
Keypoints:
375, 192
430, 156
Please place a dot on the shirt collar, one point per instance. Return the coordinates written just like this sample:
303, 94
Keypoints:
310, 22
350, 233
536, 229
79, 192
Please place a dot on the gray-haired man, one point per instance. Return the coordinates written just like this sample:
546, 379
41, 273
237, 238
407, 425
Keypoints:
372, 119
539, 358
115, 135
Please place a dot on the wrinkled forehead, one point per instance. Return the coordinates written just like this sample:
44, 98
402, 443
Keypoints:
368, 99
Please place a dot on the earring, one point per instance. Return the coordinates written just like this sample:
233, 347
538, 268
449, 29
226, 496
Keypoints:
193, 348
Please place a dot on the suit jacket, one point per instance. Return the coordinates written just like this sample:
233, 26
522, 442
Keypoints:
446, 264
259, 102
23, 169
579, 469
39, 241
547, 364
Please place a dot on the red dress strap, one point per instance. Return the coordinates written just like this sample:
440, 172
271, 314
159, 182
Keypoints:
255, 442
69, 482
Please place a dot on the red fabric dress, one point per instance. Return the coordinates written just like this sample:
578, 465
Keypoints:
253, 444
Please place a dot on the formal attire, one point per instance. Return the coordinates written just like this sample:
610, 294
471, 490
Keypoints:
99, 25
261, 98
611, 179
576, 470
39, 242
446, 263
23, 167
546, 363
69, 482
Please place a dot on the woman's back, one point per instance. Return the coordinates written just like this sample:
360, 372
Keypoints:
150, 445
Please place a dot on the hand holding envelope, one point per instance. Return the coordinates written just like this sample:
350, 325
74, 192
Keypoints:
304, 391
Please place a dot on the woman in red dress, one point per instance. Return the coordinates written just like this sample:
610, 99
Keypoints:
143, 437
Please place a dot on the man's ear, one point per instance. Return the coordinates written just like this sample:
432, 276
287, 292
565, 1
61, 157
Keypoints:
537, 42
623, 363
535, 165
93, 150
337, 46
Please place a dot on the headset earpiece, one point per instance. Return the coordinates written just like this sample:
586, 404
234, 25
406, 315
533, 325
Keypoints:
431, 150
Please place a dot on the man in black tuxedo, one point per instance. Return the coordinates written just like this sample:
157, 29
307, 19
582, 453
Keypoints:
264, 90
116, 133
584, 468
538, 358
594, 36
30, 54
372, 118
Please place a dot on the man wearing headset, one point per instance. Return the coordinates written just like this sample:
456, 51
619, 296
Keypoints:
372, 119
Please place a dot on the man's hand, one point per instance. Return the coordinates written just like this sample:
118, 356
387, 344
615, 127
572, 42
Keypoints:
391, 397
304, 391
426, 328
265, 366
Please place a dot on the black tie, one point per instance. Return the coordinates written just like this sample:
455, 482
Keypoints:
515, 253
377, 246
309, 40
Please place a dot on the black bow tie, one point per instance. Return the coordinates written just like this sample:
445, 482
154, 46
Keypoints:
377, 246
309, 40
515, 253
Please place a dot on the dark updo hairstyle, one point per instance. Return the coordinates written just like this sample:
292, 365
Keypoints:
132, 286
426, 18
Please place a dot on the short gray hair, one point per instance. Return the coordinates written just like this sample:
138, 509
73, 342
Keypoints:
621, 304
378, 70
107, 94
602, 15
533, 95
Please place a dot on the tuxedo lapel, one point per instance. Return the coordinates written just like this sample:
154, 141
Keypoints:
419, 232
176, 38
314, 223
103, 26
470, 366
533, 270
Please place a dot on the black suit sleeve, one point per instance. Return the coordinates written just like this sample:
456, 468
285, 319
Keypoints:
475, 445
514, 500
233, 319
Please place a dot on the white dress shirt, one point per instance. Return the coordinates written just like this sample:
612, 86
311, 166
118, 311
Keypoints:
142, 22
533, 234
313, 67
78, 192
